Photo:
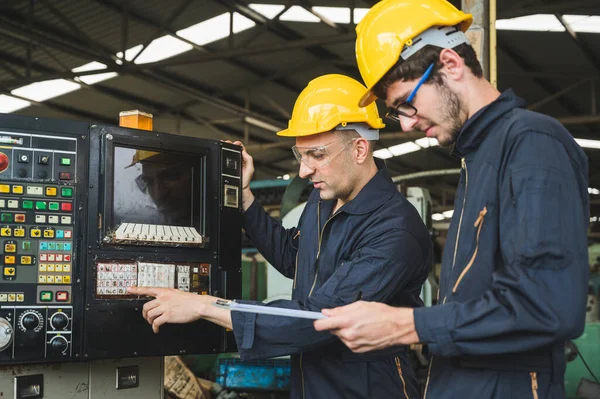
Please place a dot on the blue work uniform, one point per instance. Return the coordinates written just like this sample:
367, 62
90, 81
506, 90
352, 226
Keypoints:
377, 244
514, 275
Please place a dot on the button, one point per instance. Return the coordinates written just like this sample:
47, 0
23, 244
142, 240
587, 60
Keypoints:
53, 219
9, 271
35, 233
66, 192
3, 297
20, 297
64, 176
59, 258
4, 188
66, 207
43, 257
6, 217
12, 297
40, 218
67, 246
26, 260
58, 279
20, 218
53, 206
5, 232
51, 257
26, 245
60, 234
62, 296
13, 204
58, 268
66, 279
23, 158
40, 206
43, 246
48, 233
2, 203
65, 220
68, 234
27, 204
59, 246
17, 189
64, 161
19, 232
66, 269
4, 162
67, 258
42, 279
43, 267
43, 159
51, 246
35, 190
46, 296
50, 279
51, 191
10, 247
9, 260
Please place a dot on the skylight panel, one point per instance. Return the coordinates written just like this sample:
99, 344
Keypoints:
10, 104
384, 153
162, 48
404, 148
129, 53
268, 10
537, 22
339, 15
241, 23
584, 23
299, 14
426, 142
40, 91
359, 14
437, 217
448, 214
593, 191
95, 78
585, 143
215, 28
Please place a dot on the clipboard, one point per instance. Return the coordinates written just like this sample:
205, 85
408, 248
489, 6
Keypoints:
273, 311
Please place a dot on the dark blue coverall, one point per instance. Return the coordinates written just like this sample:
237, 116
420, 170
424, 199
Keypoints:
514, 273
377, 244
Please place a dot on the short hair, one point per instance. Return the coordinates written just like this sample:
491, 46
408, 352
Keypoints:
350, 134
417, 64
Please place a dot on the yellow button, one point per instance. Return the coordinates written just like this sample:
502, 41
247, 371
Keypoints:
4, 188
5, 232
51, 191
42, 267
50, 279
50, 267
20, 297
10, 248
19, 232
12, 297
58, 268
48, 233
42, 279
17, 189
36, 232
67, 268
26, 260
66, 279
9, 271
58, 279
9, 260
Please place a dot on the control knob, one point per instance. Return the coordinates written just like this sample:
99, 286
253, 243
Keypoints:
59, 344
59, 321
30, 320
6, 333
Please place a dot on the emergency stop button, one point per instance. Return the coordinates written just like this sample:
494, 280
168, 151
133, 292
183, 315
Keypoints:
4, 162
62, 296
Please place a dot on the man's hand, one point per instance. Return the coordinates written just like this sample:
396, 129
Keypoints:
171, 306
367, 326
247, 173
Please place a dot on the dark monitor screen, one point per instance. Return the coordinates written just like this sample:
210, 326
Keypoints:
151, 187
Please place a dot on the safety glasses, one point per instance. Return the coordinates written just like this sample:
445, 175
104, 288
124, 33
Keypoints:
319, 156
405, 108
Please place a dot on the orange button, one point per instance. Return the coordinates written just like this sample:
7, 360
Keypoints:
20, 218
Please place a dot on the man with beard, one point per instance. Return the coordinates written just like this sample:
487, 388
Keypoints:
514, 272
357, 235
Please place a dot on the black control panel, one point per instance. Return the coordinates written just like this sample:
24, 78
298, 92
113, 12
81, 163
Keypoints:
87, 211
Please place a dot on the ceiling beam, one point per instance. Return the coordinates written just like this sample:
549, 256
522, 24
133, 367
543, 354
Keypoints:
579, 42
563, 7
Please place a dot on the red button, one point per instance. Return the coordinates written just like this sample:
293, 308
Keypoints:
64, 176
67, 258
66, 206
4, 162
20, 218
62, 296
68, 233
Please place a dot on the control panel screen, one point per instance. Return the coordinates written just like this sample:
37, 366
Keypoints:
153, 188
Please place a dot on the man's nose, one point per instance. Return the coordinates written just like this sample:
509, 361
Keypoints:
408, 123
305, 171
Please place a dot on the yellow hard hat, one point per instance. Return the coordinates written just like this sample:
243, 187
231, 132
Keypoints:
389, 26
141, 155
327, 102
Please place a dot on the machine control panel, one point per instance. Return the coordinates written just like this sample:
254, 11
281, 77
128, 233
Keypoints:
37, 212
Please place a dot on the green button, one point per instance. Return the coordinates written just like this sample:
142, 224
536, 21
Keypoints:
53, 206
46, 296
59, 246
6, 217
40, 205
65, 161
66, 192
26, 245
27, 204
